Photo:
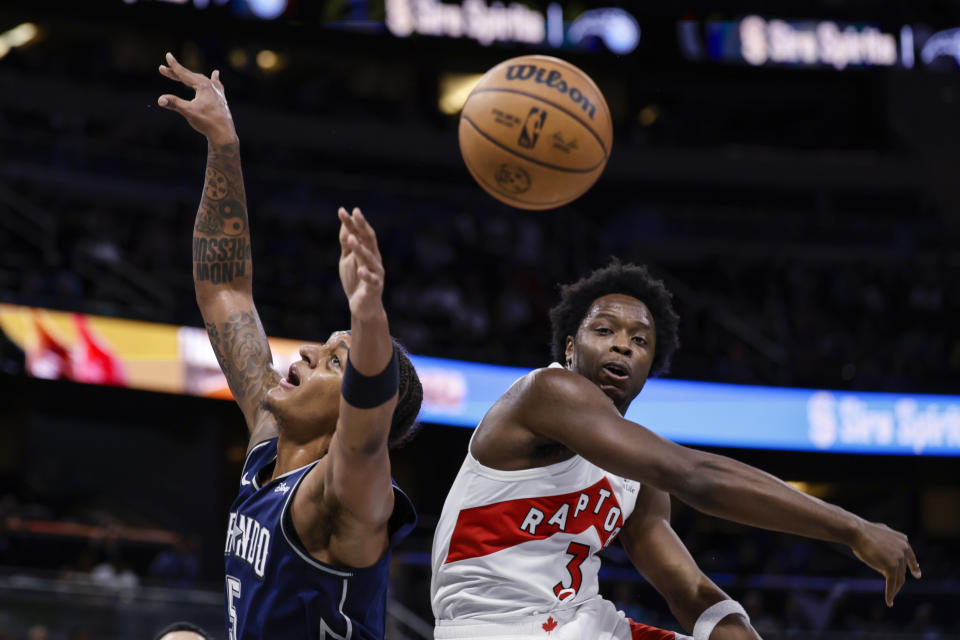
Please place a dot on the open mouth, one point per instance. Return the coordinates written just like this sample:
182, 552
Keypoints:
616, 371
293, 378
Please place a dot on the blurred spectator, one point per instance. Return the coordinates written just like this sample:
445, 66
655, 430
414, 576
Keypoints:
177, 567
922, 626
38, 632
763, 621
116, 575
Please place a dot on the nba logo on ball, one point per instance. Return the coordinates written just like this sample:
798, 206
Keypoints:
535, 132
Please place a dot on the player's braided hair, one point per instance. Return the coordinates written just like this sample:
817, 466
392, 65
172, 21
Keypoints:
182, 626
409, 397
628, 279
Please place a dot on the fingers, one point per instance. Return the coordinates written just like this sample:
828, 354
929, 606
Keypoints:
344, 231
357, 238
901, 577
895, 580
912, 564
890, 590
369, 267
168, 73
358, 225
173, 103
180, 73
370, 277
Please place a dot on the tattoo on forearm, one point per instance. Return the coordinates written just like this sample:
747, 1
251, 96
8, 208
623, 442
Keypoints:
217, 186
221, 238
244, 355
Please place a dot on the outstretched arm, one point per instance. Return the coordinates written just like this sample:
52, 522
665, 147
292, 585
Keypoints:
660, 556
222, 265
357, 476
558, 404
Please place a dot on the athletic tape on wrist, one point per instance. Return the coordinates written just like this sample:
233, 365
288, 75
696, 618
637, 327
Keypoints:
714, 614
367, 392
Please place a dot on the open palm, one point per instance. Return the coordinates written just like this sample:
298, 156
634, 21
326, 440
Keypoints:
361, 267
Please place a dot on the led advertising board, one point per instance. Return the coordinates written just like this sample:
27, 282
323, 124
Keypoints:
808, 43
731, 415
158, 357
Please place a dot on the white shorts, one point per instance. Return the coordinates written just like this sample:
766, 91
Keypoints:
595, 619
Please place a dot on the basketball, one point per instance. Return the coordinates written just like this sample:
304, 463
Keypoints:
535, 132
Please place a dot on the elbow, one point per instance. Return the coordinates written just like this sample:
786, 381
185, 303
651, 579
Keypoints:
364, 438
206, 294
201, 292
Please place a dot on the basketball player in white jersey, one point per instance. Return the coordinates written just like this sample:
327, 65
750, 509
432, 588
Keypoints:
554, 473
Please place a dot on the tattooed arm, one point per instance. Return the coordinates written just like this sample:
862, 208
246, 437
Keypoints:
222, 265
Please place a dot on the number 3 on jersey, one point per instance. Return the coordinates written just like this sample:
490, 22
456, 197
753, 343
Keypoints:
580, 552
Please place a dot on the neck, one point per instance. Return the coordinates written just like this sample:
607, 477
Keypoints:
293, 455
622, 407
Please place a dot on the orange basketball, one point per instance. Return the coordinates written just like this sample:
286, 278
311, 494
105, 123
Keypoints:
535, 132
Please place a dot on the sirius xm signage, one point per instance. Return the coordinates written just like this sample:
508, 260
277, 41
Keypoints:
727, 415
483, 21
490, 22
824, 43
759, 41
800, 419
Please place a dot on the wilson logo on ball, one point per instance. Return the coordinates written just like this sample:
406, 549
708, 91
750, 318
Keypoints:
553, 79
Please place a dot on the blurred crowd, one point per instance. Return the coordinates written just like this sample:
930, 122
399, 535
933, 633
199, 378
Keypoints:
803, 286
100, 559
474, 281
785, 286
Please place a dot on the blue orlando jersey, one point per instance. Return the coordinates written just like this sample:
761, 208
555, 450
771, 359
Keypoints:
275, 588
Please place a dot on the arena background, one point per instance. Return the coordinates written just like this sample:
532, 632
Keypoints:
800, 200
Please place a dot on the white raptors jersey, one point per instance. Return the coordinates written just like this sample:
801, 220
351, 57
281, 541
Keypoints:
515, 543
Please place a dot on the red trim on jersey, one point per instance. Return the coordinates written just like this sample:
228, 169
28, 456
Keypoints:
639, 631
484, 530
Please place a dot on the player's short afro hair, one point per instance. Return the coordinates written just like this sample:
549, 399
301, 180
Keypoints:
628, 279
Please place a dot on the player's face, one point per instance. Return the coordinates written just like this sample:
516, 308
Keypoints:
307, 400
614, 347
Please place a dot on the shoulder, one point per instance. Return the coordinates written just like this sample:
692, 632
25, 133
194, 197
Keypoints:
555, 387
260, 453
550, 379
550, 400
263, 429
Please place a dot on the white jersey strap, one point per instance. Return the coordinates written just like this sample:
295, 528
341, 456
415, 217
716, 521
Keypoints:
714, 614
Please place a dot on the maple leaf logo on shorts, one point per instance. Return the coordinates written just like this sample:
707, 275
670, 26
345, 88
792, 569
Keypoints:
550, 624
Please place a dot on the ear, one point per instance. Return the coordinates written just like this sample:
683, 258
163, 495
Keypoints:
568, 351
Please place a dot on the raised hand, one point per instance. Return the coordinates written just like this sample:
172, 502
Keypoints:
207, 112
361, 267
889, 552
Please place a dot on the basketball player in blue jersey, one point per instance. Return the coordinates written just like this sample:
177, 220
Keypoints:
309, 536
554, 473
